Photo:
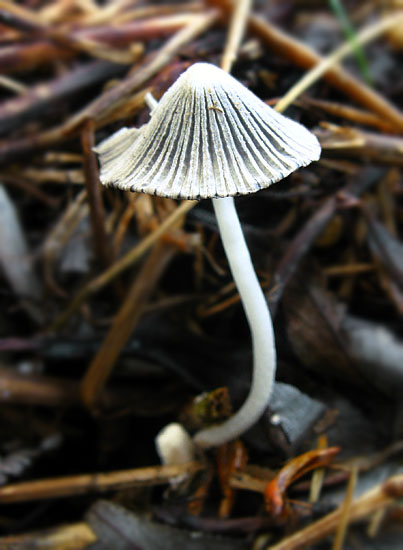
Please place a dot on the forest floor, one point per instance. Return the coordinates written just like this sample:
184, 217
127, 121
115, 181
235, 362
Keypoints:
119, 311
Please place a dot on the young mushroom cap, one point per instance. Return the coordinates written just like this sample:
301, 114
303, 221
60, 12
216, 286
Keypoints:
208, 137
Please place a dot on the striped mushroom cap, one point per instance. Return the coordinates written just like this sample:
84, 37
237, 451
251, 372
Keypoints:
208, 137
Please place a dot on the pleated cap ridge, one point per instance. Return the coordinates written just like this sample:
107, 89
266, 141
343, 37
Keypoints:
208, 137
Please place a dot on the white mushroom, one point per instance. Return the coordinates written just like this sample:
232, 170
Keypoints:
210, 137
174, 445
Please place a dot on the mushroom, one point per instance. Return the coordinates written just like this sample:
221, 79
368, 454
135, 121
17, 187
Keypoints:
174, 445
210, 137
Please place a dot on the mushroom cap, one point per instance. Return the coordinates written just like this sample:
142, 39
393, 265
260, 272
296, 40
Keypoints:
208, 137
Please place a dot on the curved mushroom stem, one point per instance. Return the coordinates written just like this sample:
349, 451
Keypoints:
258, 315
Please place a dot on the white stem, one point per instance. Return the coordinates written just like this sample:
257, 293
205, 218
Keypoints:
258, 315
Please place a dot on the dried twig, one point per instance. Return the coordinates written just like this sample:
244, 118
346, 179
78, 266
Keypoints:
37, 390
110, 100
39, 98
345, 511
77, 536
94, 190
236, 33
380, 497
13, 85
124, 323
118, 267
301, 244
353, 142
367, 35
347, 112
305, 57
21, 56
97, 482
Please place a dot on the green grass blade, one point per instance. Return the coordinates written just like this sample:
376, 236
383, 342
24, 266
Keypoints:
349, 31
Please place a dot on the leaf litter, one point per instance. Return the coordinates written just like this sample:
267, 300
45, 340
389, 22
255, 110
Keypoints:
117, 312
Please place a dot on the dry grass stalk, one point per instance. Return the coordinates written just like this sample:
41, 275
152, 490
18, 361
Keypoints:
348, 112
114, 98
96, 482
366, 35
122, 264
123, 325
236, 32
305, 57
94, 192
345, 512
380, 497
77, 536
318, 474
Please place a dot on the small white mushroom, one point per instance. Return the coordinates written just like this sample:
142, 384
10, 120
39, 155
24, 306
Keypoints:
174, 445
210, 137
